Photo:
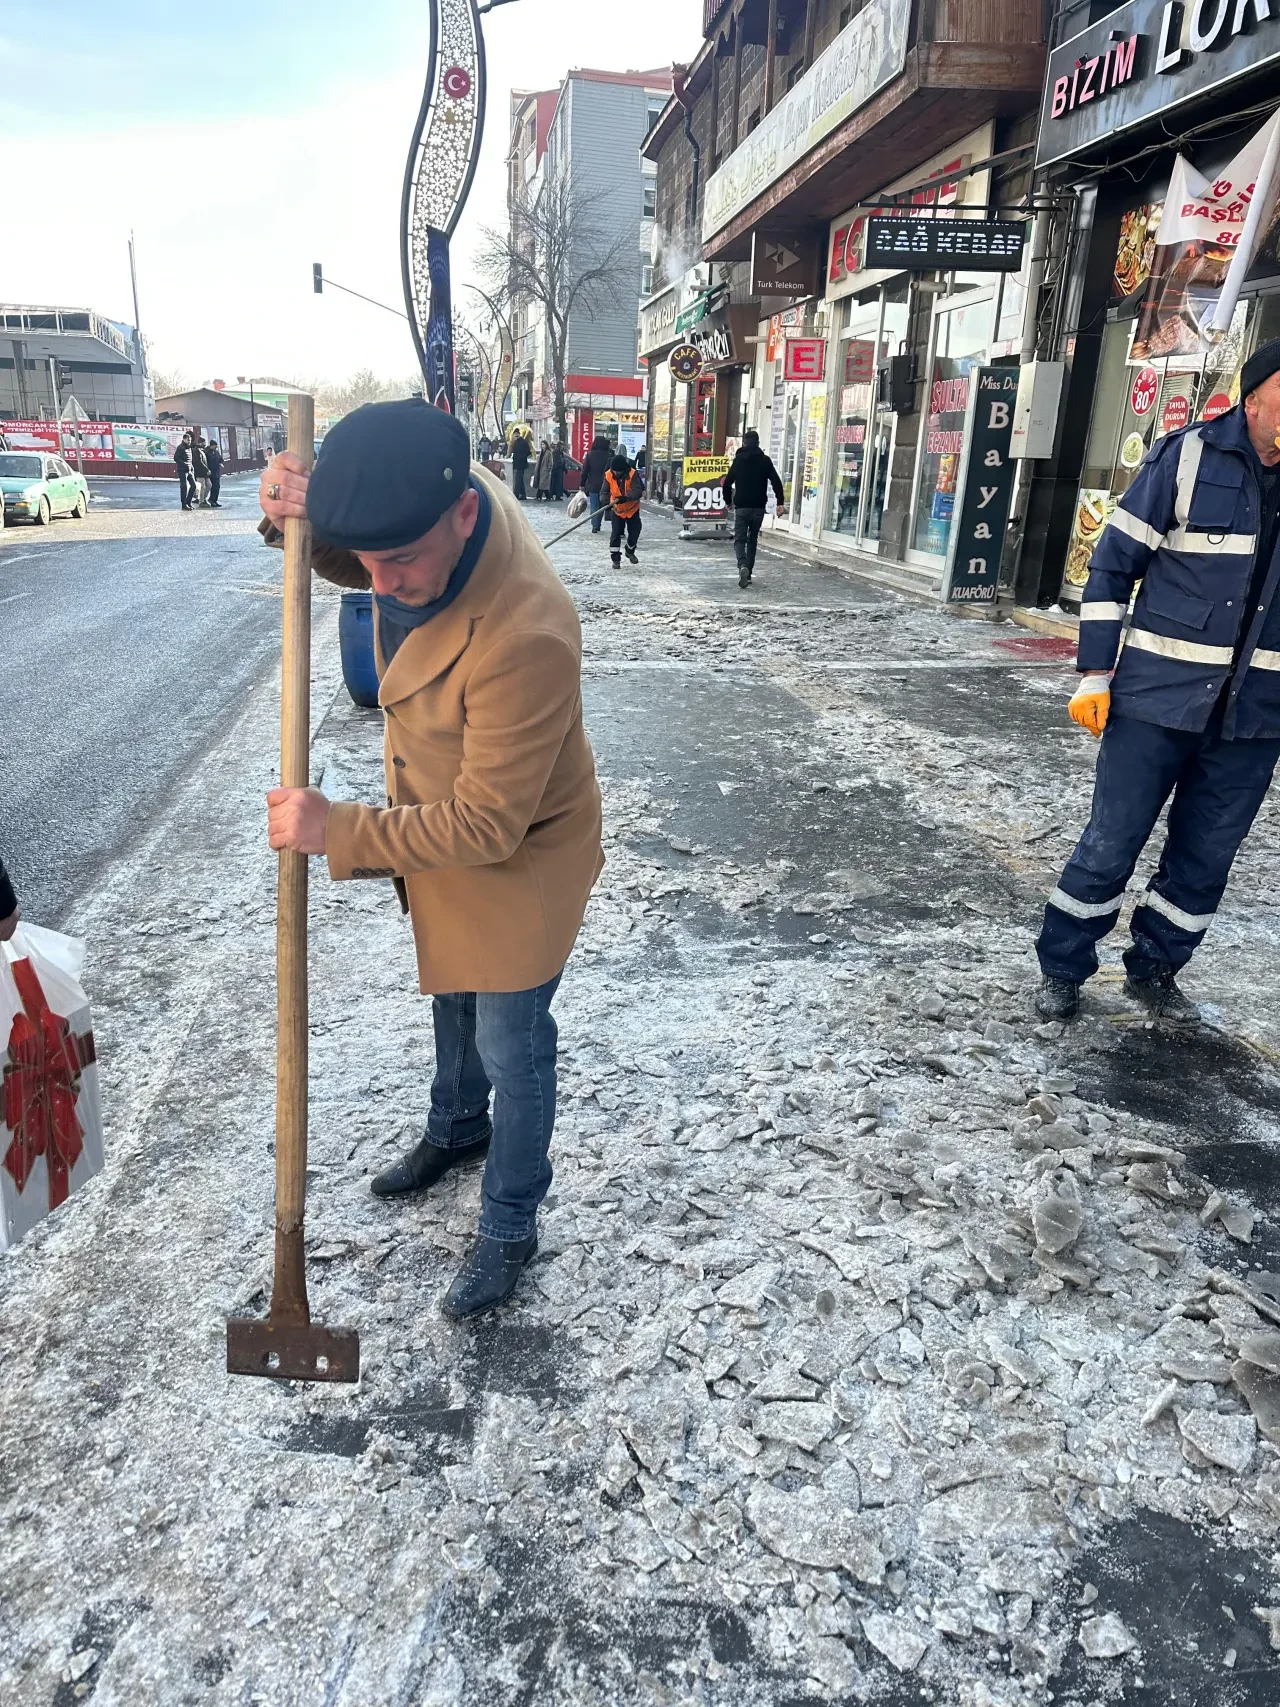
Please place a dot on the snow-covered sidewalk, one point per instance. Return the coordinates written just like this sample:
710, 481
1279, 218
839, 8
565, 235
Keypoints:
883, 1345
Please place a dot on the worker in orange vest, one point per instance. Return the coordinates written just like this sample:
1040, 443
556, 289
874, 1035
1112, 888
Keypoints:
623, 489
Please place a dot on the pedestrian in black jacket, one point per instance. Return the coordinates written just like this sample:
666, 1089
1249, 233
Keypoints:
213, 456
746, 487
8, 906
595, 466
521, 456
182, 462
200, 469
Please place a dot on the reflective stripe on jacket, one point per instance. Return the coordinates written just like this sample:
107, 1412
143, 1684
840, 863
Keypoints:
1187, 528
624, 495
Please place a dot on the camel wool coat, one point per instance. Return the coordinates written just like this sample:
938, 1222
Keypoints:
493, 814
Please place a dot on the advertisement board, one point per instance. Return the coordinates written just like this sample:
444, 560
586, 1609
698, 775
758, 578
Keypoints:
981, 514
59, 439
147, 444
703, 479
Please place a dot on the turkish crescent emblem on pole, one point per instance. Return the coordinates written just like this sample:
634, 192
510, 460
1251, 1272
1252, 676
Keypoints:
456, 83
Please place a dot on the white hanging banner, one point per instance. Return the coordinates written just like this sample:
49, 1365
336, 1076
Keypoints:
1228, 213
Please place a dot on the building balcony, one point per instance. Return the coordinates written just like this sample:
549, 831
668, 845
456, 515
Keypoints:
902, 80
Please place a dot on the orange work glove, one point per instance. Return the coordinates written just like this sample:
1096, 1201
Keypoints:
1091, 703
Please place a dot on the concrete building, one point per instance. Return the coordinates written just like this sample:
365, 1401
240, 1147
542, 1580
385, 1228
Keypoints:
48, 356
801, 131
585, 137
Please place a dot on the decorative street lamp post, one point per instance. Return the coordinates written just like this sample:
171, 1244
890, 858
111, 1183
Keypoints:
437, 180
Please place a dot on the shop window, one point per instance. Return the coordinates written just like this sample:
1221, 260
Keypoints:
856, 382
961, 340
1139, 398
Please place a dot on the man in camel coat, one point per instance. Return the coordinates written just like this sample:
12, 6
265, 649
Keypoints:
492, 822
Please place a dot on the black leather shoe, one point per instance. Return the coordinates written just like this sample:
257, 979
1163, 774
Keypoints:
425, 1164
1162, 998
488, 1275
1058, 999
744, 577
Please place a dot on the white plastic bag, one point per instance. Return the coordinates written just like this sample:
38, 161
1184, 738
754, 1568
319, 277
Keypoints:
578, 505
50, 1110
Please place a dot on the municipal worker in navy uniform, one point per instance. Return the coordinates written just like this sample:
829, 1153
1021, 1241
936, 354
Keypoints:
1191, 709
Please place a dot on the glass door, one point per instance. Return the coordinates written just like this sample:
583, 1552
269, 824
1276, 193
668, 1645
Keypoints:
963, 324
892, 335
855, 388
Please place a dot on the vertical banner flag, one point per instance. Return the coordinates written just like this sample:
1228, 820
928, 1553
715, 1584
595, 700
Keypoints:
1205, 243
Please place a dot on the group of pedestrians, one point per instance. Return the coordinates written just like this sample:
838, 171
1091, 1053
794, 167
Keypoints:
199, 465
548, 469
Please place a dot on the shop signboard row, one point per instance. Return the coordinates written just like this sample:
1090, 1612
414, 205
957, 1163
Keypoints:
1145, 58
868, 53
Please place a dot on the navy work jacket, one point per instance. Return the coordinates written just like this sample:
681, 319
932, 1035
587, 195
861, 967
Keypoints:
1188, 528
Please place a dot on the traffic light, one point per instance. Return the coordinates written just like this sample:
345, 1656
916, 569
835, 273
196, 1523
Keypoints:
64, 377
317, 278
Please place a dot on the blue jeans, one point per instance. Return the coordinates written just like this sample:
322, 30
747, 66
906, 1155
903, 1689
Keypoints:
597, 510
1217, 788
504, 1044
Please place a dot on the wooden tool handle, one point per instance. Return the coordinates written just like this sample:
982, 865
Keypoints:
291, 895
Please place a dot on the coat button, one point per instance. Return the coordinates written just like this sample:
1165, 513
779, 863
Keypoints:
398, 762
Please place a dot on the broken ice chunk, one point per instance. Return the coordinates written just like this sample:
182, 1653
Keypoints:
1106, 1638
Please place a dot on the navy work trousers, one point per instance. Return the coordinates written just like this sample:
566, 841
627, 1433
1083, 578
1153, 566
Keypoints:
1217, 788
504, 1044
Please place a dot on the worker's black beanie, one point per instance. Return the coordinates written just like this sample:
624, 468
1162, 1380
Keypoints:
1264, 361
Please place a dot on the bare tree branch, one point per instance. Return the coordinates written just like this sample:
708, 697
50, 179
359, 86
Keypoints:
560, 251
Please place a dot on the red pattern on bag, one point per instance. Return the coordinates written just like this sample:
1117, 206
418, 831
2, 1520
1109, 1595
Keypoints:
41, 1087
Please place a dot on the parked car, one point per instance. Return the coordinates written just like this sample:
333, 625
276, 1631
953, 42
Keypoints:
36, 487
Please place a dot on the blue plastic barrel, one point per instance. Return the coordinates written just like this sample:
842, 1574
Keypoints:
355, 635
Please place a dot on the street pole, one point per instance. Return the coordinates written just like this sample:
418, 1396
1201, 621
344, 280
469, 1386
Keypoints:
507, 366
137, 321
438, 176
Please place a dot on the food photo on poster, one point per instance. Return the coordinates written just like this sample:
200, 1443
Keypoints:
1201, 223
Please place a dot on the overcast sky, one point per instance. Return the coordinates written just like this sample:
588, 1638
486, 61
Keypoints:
244, 140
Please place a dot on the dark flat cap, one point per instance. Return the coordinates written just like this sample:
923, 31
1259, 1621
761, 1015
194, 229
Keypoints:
386, 474
1264, 361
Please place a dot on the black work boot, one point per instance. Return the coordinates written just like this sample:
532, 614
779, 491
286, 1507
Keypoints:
615, 557
1058, 999
1162, 998
426, 1164
631, 556
488, 1275
744, 576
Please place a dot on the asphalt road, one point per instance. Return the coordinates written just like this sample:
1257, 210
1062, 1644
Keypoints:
127, 642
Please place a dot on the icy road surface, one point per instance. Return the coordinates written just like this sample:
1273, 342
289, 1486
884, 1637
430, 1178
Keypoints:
883, 1346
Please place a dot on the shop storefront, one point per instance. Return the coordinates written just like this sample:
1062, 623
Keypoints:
706, 415
664, 431
881, 479
972, 325
1152, 283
